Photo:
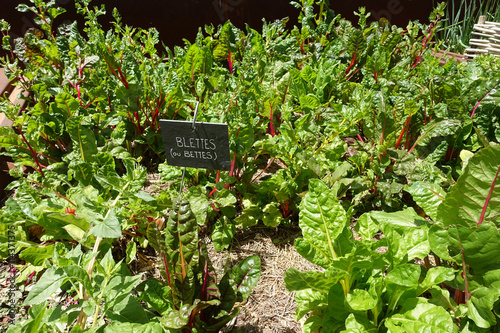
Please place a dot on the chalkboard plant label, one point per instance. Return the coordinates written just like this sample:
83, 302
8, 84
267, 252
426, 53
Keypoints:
202, 146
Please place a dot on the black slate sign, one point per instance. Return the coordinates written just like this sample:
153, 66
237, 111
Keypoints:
206, 146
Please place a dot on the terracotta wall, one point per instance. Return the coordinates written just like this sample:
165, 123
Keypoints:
178, 19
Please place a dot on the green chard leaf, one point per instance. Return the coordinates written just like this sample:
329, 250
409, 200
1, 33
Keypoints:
238, 282
317, 281
430, 145
417, 315
322, 219
223, 233
428, 196
474, 198
83, 138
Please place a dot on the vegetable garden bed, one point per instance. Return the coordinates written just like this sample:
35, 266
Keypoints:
364, 179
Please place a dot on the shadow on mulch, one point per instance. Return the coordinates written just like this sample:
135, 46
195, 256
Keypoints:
270, 307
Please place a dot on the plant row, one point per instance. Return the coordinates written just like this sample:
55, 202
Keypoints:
332, 124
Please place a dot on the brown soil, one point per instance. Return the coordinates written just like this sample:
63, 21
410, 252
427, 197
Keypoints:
270, 307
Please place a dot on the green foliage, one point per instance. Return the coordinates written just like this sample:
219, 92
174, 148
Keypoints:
108, 294
366, 289
191, 299
330, 122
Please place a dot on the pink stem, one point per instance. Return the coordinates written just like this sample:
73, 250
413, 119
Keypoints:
483, 212
479, 102
230, 62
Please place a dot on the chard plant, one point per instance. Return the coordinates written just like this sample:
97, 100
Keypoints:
328, 120
190, 299
116, 81
67, 234
105, 296
438, 274
355, 103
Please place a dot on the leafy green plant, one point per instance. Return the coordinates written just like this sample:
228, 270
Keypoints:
303, 99
373, 283
104, 296
65, 220
191, 299
116, 82
328, 120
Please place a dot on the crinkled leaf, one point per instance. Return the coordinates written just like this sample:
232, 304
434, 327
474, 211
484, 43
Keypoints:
181, 239
361, 300
199, 204
355, 262
83, 138
400, 280
417, 315
225, 198
406, 276
312, 324
223, 233
249, 217
428, 196
479, 245
366, 227
81, 171
379, 60
197, 60
322, 218
309, 101
435, 276
238, 282
308, 300
432, 145
480, 306
441, 297
400, 221
272, 215
244, 276
157, 241
314, 280
396, 247
66, 104
438, 241
9, 139
357, 323
473, 200
417, 243
169, 172
177, 319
